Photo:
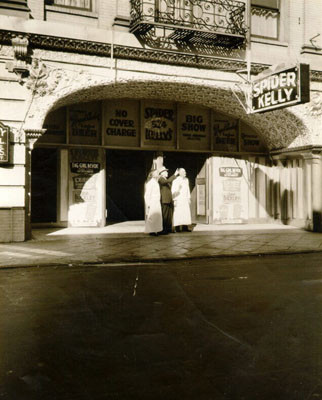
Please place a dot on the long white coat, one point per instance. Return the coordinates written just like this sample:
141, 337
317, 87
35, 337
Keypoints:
153, 213
181, 200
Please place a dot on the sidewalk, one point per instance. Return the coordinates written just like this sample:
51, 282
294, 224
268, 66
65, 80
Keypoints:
126, 243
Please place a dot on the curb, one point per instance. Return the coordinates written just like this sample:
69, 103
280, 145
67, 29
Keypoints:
160, 260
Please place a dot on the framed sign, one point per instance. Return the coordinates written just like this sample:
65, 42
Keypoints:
4, 143
230, 199
193, 127
85, 187
121, 123
158, 121
85, 123
284, 88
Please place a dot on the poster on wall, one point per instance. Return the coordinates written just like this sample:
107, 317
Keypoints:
158, 124
84, 123
85, 200
230, 200
193, 127
55, 125
225, 133
250, 141
121, 123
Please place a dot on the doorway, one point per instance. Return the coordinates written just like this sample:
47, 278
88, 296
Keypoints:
44, 185
126, 172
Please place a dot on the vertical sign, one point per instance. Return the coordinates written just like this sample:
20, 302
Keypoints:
4, 143
158, 124
193, 127
121, 123
84, 123
230, 199
85, 187
225, 133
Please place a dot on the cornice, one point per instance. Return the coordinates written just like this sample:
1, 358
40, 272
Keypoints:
135, 53
127, 52
286, 151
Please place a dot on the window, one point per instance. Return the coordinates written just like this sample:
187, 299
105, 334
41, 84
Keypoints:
266, 3
85, 5
265, 18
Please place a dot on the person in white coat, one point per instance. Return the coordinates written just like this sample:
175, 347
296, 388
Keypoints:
153, 213
181, 201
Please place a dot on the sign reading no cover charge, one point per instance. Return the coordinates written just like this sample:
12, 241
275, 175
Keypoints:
281, 89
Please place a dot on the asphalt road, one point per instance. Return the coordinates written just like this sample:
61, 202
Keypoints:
231, 328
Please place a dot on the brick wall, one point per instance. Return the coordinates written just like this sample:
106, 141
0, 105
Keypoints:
37, 9
12, 222
107, 11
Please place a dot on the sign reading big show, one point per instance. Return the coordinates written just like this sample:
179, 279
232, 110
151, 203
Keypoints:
283, 88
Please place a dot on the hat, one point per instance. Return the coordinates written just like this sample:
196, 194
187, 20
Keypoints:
162, 170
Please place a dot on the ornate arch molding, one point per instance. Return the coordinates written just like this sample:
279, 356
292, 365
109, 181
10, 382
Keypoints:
54, 88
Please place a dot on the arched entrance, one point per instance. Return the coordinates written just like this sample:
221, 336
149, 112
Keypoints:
271, 130
98, 155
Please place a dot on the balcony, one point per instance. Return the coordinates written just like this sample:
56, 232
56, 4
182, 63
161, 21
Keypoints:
207, 22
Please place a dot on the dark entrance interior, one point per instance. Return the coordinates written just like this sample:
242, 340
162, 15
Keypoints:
126, 172
44, 185
191, 162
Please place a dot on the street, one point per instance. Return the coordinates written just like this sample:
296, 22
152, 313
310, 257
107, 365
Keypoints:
208, 329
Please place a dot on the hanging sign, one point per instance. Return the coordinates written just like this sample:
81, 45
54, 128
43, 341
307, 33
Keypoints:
4, 143
284, 88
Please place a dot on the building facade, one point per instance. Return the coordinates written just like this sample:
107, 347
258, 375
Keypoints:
95, 93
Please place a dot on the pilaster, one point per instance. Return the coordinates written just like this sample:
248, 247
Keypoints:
32, 135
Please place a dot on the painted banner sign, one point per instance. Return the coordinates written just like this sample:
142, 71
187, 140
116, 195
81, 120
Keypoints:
121, 123
158, 124
193, 127
281, 89
4, 143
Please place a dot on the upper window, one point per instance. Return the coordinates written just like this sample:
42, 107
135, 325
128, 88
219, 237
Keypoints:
85, 5
266, 3
265, 18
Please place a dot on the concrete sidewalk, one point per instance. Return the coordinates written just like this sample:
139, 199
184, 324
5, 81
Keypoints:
126, 242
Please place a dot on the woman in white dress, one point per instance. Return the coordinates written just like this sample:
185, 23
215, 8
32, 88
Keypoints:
153, 213
181, 201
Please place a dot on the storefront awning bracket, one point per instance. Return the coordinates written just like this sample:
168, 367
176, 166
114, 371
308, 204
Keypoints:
245, 103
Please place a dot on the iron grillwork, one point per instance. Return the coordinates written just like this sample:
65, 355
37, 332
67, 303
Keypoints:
217, 22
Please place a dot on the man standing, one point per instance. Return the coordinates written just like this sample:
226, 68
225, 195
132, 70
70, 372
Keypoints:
166, 199
181, 201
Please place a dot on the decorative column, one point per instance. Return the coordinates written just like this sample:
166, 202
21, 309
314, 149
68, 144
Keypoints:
32, 135
279, 183
316, 191
308, 191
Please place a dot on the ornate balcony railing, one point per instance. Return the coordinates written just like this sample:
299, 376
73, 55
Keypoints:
220, 22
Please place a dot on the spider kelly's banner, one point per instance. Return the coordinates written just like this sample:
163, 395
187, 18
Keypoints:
283, 88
